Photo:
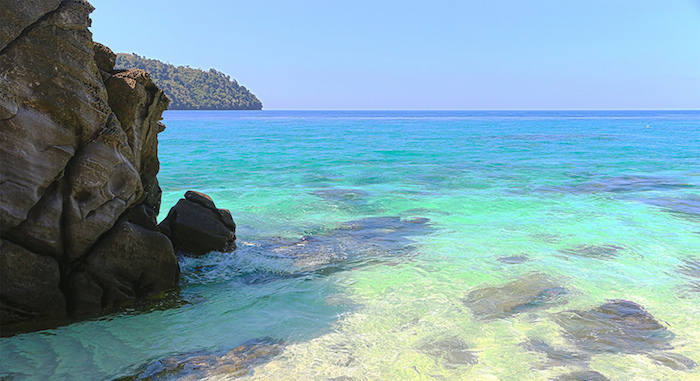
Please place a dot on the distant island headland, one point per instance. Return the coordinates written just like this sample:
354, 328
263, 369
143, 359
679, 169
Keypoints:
191, 88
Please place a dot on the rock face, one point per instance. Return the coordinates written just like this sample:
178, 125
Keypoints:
78, 202
196, 226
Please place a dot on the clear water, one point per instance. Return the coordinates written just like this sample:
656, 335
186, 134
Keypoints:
606, 203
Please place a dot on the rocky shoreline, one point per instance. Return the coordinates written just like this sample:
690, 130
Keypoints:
78, 185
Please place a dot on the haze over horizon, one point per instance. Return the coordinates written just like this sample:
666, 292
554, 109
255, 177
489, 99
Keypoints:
470, 55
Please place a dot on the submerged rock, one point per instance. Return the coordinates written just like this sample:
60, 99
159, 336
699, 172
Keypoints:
354, 243
623, 184
619, 326
200, 365
556, 357
593, 251
584, 375
672, 360
514, 259
453, 352
532, 292
688, 208
196, 226
341, 195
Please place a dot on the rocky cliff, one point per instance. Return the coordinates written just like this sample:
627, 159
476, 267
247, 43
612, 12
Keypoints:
78, 189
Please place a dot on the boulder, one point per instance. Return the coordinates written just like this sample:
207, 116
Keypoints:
118, 271
196, 226
29, 285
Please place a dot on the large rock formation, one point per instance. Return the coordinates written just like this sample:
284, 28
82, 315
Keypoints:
78, 188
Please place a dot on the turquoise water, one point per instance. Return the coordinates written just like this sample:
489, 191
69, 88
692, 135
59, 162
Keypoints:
605, 204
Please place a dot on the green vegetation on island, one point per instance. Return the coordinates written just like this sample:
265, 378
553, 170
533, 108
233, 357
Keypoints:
193, 89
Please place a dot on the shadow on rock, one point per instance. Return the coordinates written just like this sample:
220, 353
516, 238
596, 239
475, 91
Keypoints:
532, 292
621, 326
237, 362
623, 184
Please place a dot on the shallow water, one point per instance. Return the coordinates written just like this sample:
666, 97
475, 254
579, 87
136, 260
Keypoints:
536, 220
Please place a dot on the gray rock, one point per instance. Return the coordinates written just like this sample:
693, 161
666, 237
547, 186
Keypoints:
29, 285
532, 292
197, 227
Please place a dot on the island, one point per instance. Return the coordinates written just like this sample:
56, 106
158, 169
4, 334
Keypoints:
191, 88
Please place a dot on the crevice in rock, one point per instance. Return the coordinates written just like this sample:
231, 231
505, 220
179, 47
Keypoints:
29, 28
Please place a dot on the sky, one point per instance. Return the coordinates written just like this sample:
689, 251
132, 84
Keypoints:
426, 55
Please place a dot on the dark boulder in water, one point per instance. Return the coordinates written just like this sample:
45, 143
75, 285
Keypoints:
584, 375
196, 226
453, 352
619, 326
532, 292
593, 251
235, 363
624, 184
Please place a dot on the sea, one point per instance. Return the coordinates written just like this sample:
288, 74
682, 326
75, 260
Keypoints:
416, 245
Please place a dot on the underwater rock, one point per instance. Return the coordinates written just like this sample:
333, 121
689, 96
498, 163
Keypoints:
619, 326
556, 357
453, 352
624, 184
584, 375
353, 243
370, 241
688, 208
196, 226
340, 195
672, 360
593, 251
514, 259
532, 292
200, 365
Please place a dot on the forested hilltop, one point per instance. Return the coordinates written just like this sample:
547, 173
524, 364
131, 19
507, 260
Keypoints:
193, 89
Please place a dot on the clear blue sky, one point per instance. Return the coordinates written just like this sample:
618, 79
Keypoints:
441, 54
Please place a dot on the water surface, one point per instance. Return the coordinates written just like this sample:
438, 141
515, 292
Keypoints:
422, 245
